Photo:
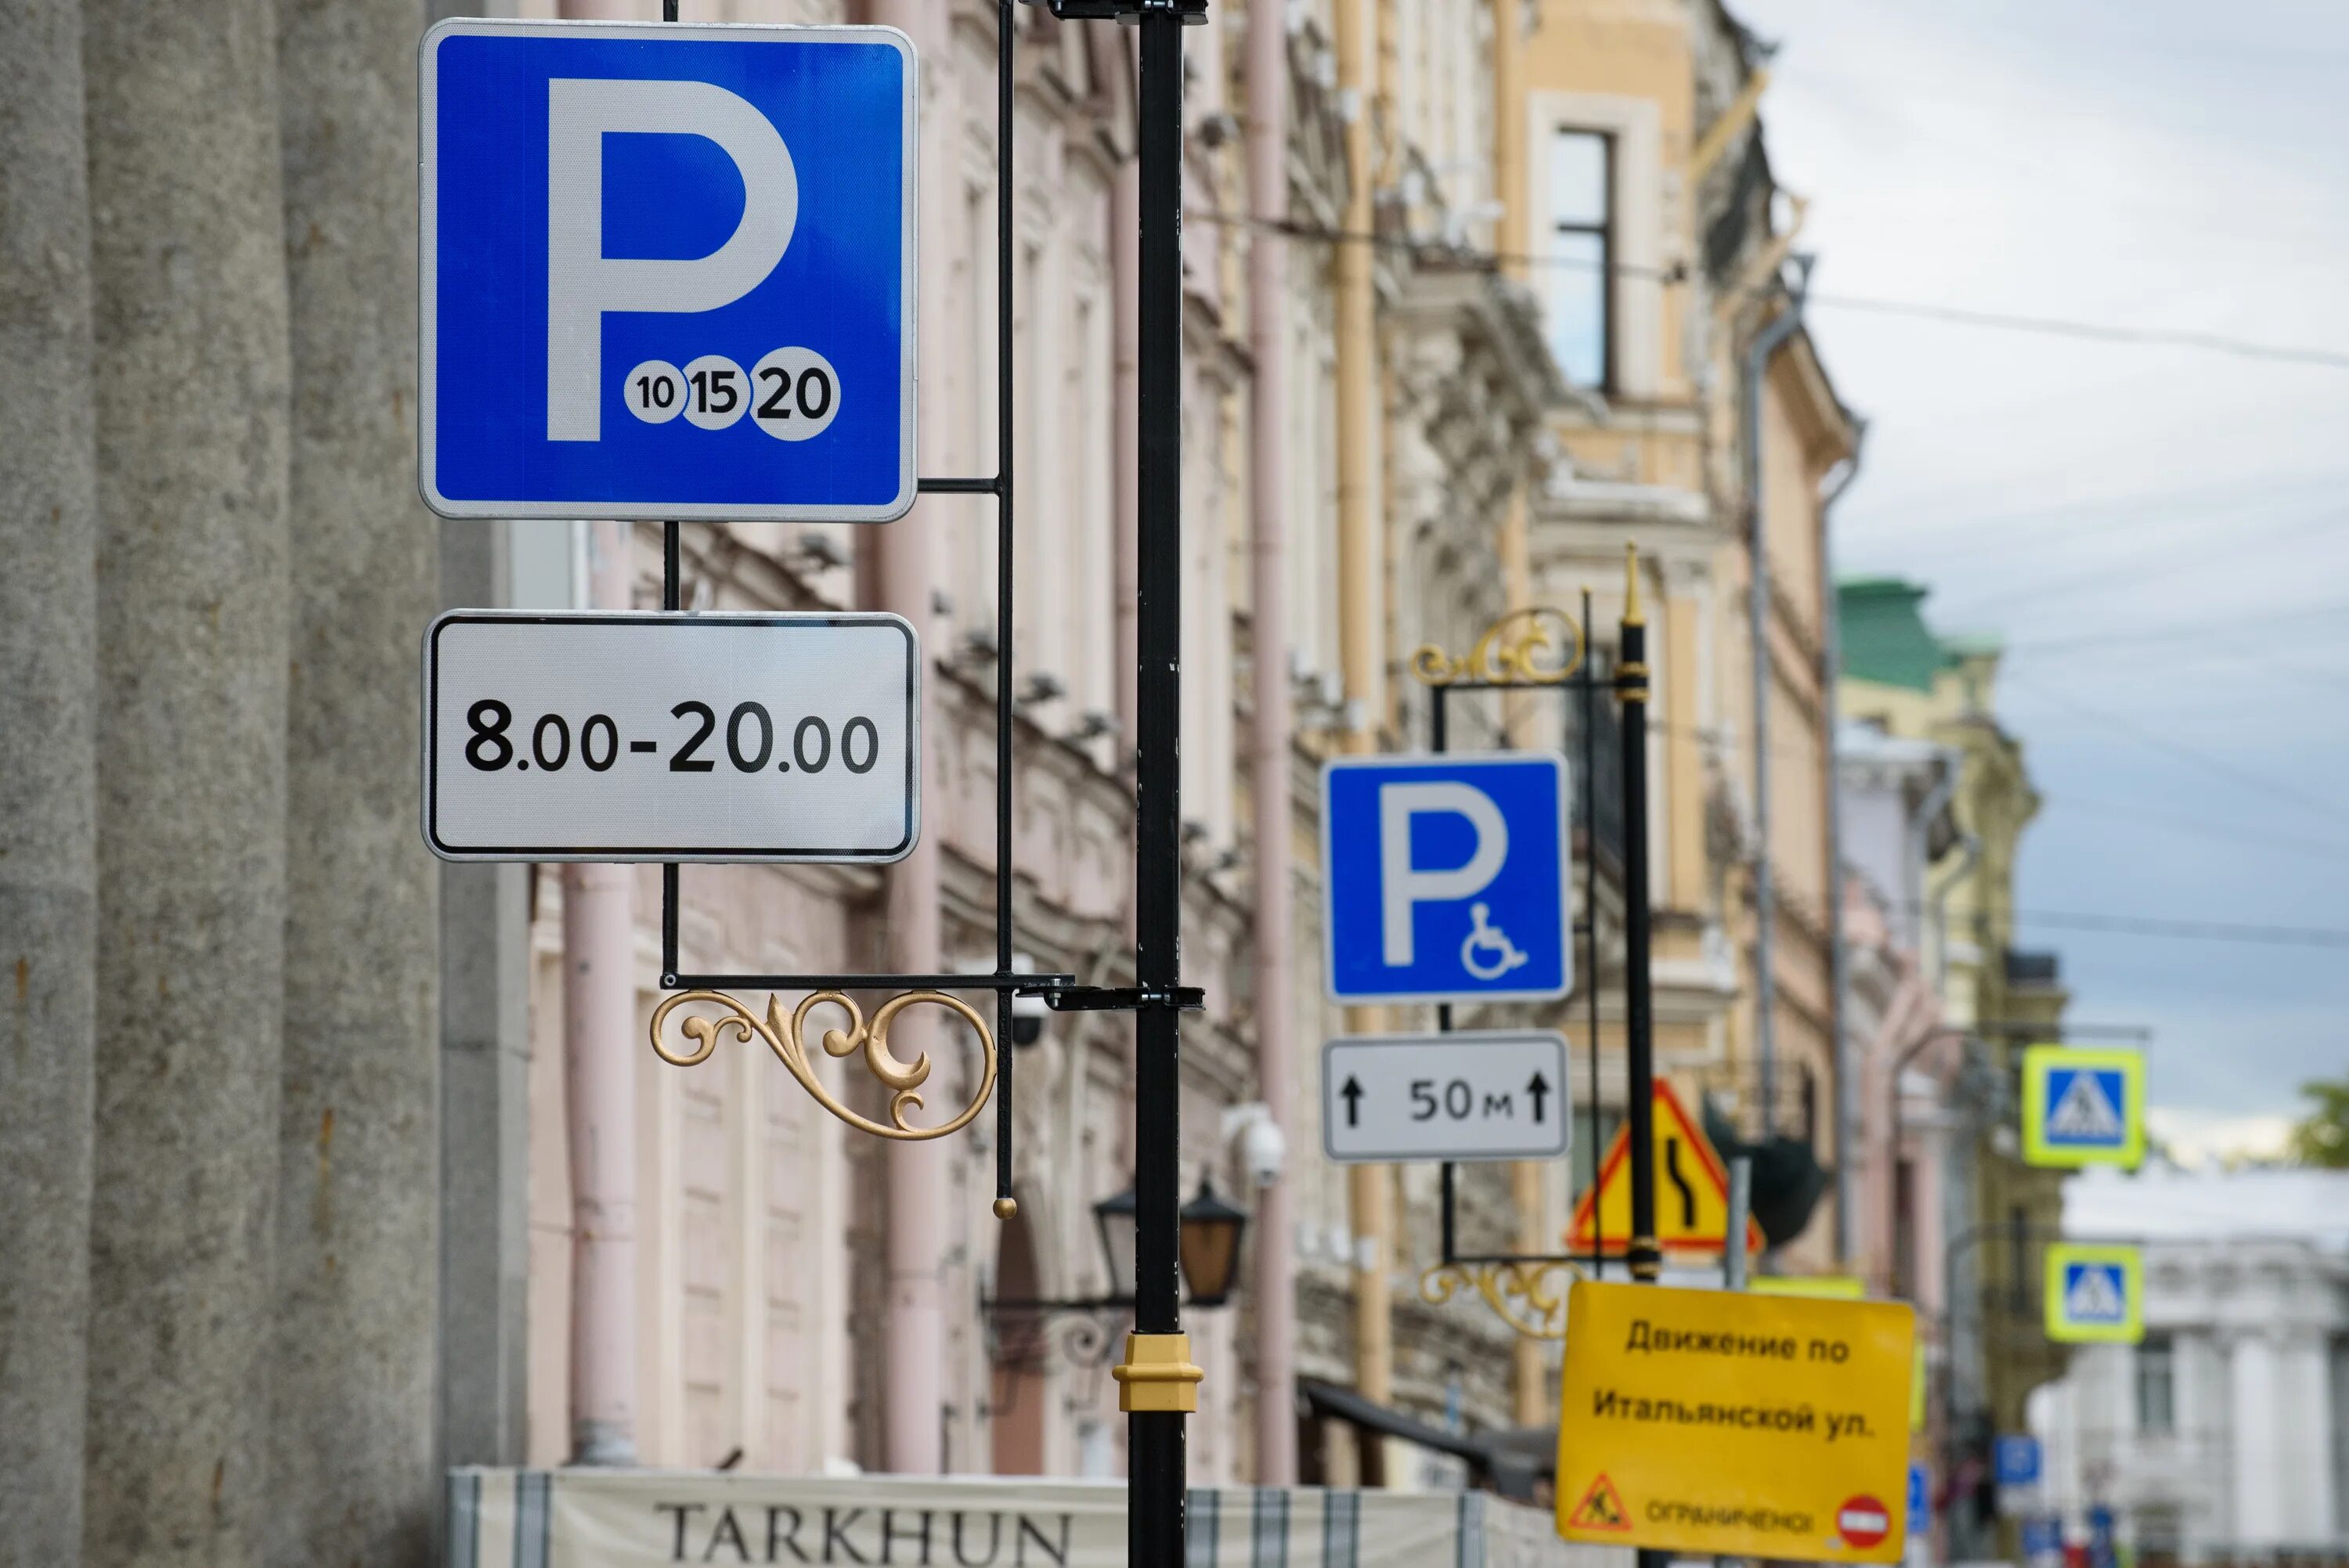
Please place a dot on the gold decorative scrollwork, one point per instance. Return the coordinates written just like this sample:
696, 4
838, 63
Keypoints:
1517, 1292
1510, 652
785, 1036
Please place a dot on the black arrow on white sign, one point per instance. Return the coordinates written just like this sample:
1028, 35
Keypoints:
1352, 1095
1539, 1089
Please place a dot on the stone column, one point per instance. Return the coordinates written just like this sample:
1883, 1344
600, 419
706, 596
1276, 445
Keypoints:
48, 864
188, 271
357, 1233
484, 1101
2258, 1489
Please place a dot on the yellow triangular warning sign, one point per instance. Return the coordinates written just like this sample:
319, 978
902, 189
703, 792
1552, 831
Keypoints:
1601, 1507
1691, 1190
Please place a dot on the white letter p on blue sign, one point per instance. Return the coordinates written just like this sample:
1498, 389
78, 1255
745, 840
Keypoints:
1446, 878
583, 283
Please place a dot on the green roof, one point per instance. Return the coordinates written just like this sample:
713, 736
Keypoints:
1885, 638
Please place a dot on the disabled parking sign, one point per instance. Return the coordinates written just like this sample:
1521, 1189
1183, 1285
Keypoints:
1444, 878
667, 271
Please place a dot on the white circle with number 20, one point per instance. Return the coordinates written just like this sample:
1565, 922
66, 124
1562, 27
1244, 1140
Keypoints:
794, 394
716, 392
655, 392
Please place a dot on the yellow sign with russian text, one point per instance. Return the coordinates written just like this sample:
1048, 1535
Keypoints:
1735, 1425
1826, 1287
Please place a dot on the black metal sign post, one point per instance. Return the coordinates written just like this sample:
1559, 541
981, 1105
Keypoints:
1507, 659
1640, 1023
706, 990
1640, 1053
1158, 1385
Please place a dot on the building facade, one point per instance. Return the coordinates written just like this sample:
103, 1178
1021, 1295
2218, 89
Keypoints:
297, 1072
2223, 1437
1705, 432
1905, 682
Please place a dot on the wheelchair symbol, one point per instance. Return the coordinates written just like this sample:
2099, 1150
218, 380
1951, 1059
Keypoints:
1490, 940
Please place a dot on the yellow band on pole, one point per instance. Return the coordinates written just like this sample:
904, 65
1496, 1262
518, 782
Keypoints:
1158, 1374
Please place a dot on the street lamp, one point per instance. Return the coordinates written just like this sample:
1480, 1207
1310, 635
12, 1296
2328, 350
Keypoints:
1207, 1241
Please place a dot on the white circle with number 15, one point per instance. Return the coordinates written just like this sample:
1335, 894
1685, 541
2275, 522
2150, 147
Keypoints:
795, 394
655, 392
716, 392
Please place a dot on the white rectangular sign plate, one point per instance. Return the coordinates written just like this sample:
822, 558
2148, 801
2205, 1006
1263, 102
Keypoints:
653, 737
1482, 1094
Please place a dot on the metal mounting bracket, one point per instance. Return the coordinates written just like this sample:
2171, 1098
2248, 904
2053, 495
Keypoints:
1193, 12
1124, 998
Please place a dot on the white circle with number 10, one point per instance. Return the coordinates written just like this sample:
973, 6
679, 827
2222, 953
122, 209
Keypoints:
716, 392
795, 394
655, 392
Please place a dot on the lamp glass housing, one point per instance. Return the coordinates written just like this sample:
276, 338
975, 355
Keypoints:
1209, 1246
1114, 1217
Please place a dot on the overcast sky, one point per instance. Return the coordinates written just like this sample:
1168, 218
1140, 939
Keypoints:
2160, 535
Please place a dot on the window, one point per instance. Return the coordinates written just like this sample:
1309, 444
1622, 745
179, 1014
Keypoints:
2157, 1386
1579, 298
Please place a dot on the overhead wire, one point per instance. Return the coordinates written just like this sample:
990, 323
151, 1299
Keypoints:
2204, 930
2253, 932
1962, 316
2160, 742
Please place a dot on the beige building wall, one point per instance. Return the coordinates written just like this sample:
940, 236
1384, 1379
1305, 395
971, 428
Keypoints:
1651, 456
760, 1217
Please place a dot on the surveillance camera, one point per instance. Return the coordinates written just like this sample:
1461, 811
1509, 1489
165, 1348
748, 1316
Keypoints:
1262, 1147
1264, 1151
1028, 1012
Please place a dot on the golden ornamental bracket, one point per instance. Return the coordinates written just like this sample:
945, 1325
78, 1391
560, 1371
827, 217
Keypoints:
785, 1036
1510, 652
1515, 1292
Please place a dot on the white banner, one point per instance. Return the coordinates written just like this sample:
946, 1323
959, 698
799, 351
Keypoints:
637, 1519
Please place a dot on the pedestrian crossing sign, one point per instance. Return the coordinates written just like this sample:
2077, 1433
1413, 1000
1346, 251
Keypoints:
2095, 1294
2083, 1107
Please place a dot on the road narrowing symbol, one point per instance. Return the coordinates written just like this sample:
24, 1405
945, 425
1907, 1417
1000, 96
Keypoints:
1691, 1190
1600, 1508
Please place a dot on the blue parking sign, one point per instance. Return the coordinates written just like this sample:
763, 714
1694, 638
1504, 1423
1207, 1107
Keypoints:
1444, 878
667, 271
